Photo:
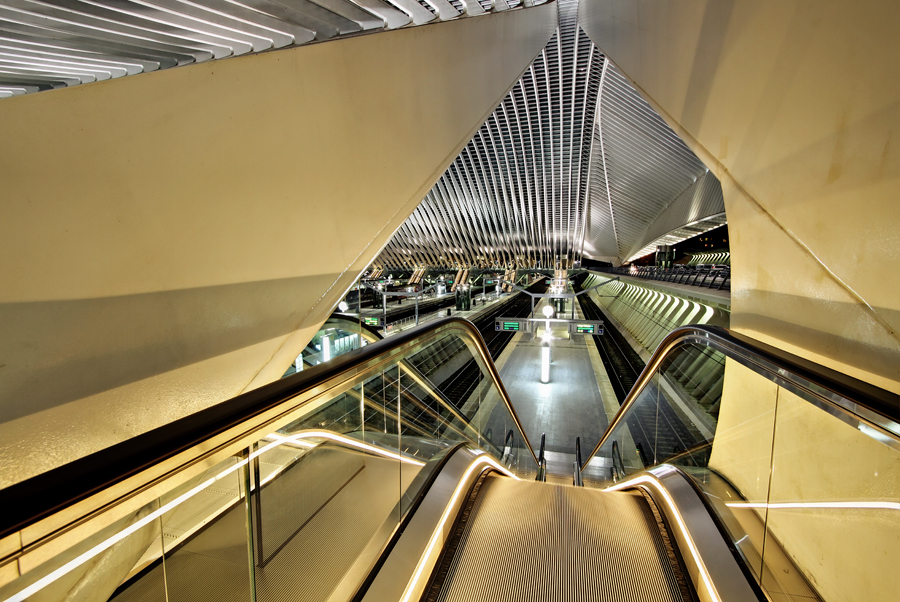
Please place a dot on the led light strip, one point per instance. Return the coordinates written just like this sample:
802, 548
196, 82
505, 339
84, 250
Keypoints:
435, 537
692, 547
808, 505
346, 441
131, 529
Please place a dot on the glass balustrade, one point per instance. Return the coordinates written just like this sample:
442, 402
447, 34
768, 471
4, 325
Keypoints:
804, 481
297, 503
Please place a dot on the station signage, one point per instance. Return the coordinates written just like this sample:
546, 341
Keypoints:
582, 327
371, 321
588, 327
510, 325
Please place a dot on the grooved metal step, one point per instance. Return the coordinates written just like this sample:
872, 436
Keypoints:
534, 541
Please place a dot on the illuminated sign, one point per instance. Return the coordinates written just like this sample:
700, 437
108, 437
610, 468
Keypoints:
510, 325
371, 321
586, 327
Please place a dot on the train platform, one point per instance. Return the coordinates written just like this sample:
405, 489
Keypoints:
578, 400
479, 306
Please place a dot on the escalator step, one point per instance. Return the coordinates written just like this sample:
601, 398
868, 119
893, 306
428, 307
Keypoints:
534, 541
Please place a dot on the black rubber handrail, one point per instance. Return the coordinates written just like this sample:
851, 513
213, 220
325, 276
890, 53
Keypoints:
810, 380
577, 481
29, 501
618, 470
542, 461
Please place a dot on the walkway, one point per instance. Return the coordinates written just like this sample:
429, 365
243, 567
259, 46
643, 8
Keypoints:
570, 405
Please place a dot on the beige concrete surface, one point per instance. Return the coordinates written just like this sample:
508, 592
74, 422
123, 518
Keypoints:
794, 107
833, 503
173, 239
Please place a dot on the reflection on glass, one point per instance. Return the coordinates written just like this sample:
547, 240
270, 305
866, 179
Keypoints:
96, 566
337, 337
809, 498
308, 502
740, 459
833, 524
206, 534
626, 449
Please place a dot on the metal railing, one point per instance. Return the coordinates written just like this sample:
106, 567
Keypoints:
410, 321
875, 410
716, 277
65, 495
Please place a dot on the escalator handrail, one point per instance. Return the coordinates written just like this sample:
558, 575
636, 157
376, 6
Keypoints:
829, 389
34, 499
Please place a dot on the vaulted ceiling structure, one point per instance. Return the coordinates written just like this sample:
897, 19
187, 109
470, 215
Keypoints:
573, 163
46, 44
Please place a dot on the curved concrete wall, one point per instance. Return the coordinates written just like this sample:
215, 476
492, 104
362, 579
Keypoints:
794, 106
173, 239
649, 314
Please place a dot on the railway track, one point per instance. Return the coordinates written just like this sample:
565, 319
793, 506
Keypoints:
622, 363
655, 427
461, 383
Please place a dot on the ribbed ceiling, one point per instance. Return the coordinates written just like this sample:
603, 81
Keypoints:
516, 195
572, 163
642, 170
48, 44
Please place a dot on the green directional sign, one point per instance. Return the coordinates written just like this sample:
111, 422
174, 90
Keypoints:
371, 321
586, 327
512, 326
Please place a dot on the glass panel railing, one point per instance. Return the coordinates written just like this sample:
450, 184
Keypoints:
833, 509
671, 419
298, 499
339, 335
803, 477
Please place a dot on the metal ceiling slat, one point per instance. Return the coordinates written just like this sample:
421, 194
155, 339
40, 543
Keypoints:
243, 13
204, 15
115, 26
62, 40
393, 18
11, 50
573, 162
365, 19
135, 13
19, 21
525, 195
417, 13
56, 43
295, 12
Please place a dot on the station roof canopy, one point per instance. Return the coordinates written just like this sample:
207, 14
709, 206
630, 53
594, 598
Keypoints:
573, 162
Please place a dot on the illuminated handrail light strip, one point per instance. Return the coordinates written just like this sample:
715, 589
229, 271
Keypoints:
346, 441
649, 479
435, 536
131, 529
811, 505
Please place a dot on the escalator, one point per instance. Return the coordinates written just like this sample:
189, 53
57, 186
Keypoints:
528, 540
374, 476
